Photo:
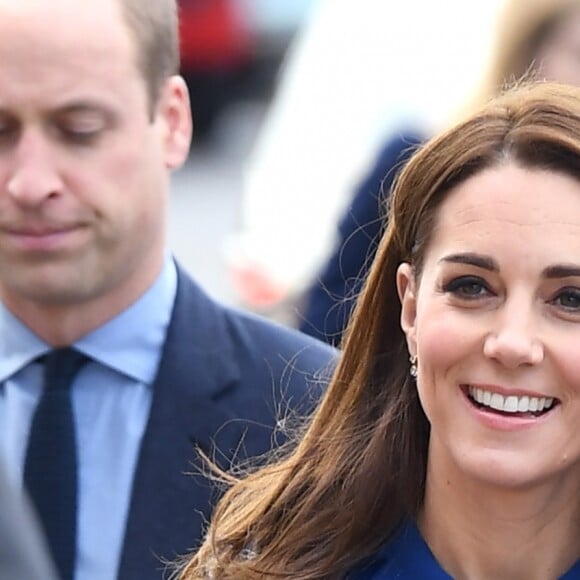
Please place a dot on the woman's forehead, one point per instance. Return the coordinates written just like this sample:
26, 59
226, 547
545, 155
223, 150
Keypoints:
509, 202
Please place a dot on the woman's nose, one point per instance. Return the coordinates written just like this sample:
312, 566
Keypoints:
513, 342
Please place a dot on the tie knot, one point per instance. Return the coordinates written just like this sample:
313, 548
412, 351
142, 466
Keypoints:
60, 367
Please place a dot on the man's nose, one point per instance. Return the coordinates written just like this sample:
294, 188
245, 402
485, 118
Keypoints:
33, 176
513, 341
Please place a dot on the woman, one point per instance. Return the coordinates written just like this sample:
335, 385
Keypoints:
537, 37
447, 443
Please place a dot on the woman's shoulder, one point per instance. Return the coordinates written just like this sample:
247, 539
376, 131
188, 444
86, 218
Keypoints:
408, 557
405, 557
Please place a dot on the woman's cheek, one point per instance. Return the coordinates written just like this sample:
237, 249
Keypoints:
444, 338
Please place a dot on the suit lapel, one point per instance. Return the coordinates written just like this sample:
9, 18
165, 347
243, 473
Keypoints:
198, 362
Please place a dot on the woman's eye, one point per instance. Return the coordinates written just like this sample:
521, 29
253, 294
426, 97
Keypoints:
467, 287
568, 298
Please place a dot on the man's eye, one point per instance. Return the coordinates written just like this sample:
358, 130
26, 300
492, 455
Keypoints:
468, 287
80, 129
8, 130
568, 299
80, 134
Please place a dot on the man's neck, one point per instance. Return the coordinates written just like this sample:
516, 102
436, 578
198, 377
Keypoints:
62, 324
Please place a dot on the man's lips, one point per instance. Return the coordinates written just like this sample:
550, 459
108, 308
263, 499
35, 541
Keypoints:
39, 230
41, 237
40, 234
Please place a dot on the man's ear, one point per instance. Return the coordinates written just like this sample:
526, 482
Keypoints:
174, 113
407, 289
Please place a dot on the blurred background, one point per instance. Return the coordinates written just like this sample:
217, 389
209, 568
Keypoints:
232, 51
291, 100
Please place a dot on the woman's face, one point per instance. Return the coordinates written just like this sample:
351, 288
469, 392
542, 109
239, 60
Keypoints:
495, 323
559, 56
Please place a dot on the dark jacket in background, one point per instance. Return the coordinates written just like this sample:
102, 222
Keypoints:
330, 299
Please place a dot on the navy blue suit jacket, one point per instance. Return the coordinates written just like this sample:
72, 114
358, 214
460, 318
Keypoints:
330, 299
223, 381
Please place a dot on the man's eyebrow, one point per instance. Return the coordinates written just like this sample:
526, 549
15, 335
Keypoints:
472, 259
81, 106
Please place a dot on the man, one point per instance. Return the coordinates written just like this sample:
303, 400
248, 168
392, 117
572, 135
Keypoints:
92, 121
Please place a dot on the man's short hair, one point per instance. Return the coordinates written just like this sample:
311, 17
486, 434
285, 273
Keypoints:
155, 28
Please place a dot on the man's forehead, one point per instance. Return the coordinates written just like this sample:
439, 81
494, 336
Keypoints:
61, 13
49, 59
62, 25
57, 5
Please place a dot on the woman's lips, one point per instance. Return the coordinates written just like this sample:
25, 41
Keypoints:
509, 418
508, 401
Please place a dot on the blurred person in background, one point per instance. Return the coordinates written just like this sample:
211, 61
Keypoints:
446, 445
356, 72
23, 551
540, 38
116, 369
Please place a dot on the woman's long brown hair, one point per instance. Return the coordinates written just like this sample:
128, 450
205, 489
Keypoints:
359, 469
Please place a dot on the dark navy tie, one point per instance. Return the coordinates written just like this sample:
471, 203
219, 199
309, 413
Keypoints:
50, 468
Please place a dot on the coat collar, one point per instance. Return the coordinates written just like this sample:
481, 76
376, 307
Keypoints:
197, 364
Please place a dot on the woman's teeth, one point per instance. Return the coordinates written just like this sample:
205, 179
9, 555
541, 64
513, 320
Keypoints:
511, 403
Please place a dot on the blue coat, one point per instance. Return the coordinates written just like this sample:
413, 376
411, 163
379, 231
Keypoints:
223, 380
407, 557
330, 299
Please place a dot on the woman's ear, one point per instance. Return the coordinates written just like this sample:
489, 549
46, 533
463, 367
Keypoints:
407, 289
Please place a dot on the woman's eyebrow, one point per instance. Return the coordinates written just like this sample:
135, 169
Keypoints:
472, 259
561, 271
487, 263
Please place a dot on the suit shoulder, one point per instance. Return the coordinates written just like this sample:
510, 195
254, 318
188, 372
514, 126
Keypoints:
267, 338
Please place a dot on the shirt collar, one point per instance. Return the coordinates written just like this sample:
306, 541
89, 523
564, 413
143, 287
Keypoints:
18, 346
130, 343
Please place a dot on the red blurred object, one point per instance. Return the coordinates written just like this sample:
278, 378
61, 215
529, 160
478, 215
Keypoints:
226, 57
213, 36
256, 289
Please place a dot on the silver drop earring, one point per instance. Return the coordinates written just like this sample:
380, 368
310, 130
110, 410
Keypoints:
413, 369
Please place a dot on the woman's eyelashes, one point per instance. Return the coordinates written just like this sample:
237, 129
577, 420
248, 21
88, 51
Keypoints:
467, 287
567, 298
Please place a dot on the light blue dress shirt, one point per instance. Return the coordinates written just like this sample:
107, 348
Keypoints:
112, 397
